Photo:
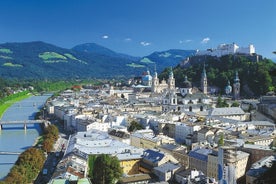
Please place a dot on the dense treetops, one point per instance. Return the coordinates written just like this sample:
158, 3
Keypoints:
50, 137
104, 169
256, 78
27, 166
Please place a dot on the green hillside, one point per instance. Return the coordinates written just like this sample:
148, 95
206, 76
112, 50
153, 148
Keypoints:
257, 78
39, 60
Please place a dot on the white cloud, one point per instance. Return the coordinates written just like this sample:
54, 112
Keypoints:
205, 40
127, 39
185, 41
105, 37
144, 43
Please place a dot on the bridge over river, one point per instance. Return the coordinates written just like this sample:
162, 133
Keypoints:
23, 122
9, 153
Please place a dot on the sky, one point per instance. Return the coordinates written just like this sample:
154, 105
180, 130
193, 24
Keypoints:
140, 27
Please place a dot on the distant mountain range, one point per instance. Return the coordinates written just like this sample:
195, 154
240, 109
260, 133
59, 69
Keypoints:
39, 60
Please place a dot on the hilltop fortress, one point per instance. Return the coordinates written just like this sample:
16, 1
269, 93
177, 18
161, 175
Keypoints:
226, 49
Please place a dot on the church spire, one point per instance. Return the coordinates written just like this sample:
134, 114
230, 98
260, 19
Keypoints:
204, 80
171, 80
204, 71
171, 73
155, 72
236, 80
236, 87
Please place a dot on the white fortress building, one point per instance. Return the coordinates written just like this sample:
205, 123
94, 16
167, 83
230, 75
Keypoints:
226, 49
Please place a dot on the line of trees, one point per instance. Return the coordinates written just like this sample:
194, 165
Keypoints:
31, 161
50, 137
26, 168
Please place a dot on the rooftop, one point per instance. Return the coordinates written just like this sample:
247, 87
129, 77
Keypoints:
167, 167
200, 153
261, 166
227, 111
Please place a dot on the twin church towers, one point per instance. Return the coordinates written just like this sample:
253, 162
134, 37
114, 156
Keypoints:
158, 86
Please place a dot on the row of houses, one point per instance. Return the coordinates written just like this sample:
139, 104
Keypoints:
184, 146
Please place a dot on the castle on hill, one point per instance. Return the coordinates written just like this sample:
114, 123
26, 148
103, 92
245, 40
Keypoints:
226, 49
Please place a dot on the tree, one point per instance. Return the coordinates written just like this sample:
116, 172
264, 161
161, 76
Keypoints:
106, 169
221, 103
235, 104
221, 140
27, 166
47, 145
134, 125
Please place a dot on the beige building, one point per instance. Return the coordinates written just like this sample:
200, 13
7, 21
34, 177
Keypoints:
235, 162
234, 113
205, 134
149, 141
178, 152
257, 152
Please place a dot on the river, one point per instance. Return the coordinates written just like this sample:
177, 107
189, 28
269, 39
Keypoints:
14, 138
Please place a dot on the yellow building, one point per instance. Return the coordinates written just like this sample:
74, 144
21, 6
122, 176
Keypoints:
129, 163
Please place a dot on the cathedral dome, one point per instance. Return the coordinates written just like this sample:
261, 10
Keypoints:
147, 78
186, 83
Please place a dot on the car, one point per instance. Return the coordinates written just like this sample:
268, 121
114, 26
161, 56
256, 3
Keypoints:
57, 154
45, 171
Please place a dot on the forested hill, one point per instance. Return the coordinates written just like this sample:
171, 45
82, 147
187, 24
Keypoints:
39, 60
256, 78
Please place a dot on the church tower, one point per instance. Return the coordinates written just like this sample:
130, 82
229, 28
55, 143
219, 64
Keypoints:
204, 81
171, 80
236, 87
155, 82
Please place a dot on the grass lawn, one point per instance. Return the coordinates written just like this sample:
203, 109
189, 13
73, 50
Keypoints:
7, 104
51, 55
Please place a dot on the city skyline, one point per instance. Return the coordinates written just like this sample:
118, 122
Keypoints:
139, 28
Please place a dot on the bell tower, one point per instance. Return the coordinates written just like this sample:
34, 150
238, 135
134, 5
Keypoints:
171, 80
203, 82
236, 87
155, 82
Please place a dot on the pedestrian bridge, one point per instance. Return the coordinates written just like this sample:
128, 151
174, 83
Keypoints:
22, 122
9, 153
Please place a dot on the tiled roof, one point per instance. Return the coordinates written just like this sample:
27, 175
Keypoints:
227, 111
200, 154
153, 156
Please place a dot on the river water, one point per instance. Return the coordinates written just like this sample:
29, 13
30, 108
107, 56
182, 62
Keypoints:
13, 138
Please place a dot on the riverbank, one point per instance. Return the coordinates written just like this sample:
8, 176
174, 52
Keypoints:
12, 99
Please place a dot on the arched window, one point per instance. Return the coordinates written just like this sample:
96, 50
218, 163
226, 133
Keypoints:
201, 108
190, 109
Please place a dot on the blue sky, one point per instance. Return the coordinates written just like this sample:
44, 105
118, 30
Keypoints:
140, 27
